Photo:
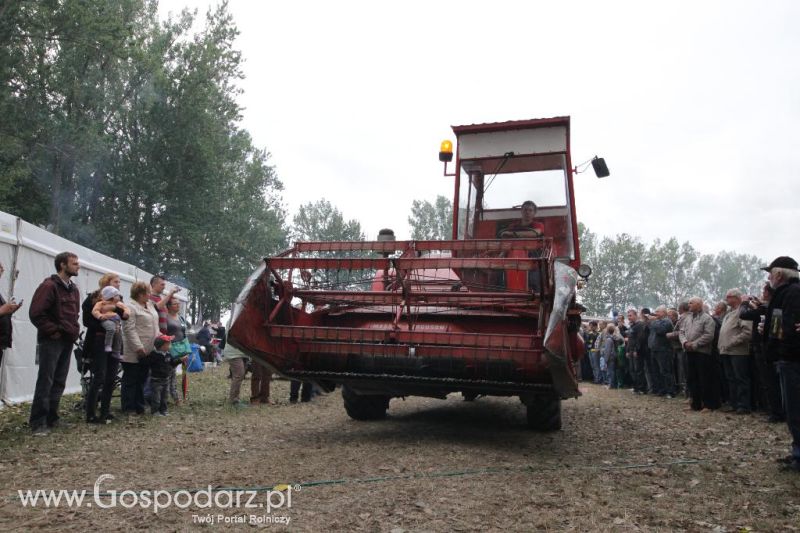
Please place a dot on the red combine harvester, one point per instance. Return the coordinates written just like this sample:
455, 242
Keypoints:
490, 312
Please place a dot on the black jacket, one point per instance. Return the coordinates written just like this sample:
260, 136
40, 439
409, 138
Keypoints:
5, 329
657, 340
781, 337
637, 339
748, 313
160, 364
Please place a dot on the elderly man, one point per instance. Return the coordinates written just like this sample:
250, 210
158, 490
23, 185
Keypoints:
661, 351
783, 343
635, 349
734, 349
678, 325
756, 310
651, 374
696, 339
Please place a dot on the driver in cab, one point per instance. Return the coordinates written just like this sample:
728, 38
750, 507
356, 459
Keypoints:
526, 227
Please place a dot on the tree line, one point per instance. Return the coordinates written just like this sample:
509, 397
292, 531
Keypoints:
628, 272
121, 132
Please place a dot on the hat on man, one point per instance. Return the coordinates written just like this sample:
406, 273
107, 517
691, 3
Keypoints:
645, 310
109, 292
781, 262
161, 340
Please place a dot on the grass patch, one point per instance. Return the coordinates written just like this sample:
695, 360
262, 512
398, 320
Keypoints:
207, 392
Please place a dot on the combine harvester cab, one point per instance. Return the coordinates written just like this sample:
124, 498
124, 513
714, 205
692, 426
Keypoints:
490, 312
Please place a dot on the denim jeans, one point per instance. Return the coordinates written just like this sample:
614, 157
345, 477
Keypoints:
637, 371
789, 374
54, 358
595, 359
158, 398
664, 363
651, 373
611, 372
737, 372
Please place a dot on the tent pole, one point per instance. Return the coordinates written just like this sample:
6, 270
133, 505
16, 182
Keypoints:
15, 256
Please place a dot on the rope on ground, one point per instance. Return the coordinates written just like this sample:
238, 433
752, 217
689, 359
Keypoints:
420, 475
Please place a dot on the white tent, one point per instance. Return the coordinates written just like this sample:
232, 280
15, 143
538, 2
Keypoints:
27, 252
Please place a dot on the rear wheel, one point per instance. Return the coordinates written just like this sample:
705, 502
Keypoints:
469, 396
544, 413
364, 406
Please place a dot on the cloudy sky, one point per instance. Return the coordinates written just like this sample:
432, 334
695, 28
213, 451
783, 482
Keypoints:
694, 105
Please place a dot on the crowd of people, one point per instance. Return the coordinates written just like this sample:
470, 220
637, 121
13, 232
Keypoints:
145, 334
742, 355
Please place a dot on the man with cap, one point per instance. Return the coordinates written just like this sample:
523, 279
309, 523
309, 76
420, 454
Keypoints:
782, 344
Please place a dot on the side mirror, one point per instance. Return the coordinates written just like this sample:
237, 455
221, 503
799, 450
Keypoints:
600, 167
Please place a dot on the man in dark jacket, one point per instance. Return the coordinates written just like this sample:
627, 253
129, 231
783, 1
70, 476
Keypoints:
661, 351
783, 343
650, 367
769, 383
204, 339
54, 311
635, 348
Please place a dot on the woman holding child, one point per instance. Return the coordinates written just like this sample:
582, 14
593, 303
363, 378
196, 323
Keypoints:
105, 362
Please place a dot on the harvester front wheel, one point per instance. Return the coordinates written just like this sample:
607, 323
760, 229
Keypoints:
364, 406
544, 413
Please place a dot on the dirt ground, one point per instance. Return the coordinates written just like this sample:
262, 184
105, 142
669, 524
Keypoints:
621, 463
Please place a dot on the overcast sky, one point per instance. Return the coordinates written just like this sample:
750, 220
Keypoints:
694, 105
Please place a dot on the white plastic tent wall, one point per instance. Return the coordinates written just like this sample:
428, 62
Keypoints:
27, 252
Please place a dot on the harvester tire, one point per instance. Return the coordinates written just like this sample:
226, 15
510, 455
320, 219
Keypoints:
364, 406
544, 413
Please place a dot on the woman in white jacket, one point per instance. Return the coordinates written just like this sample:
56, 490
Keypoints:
139, 332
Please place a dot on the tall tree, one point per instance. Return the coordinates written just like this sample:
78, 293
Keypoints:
727, 270
124, 135
617, 279
431, 221
671, 275
321, 221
